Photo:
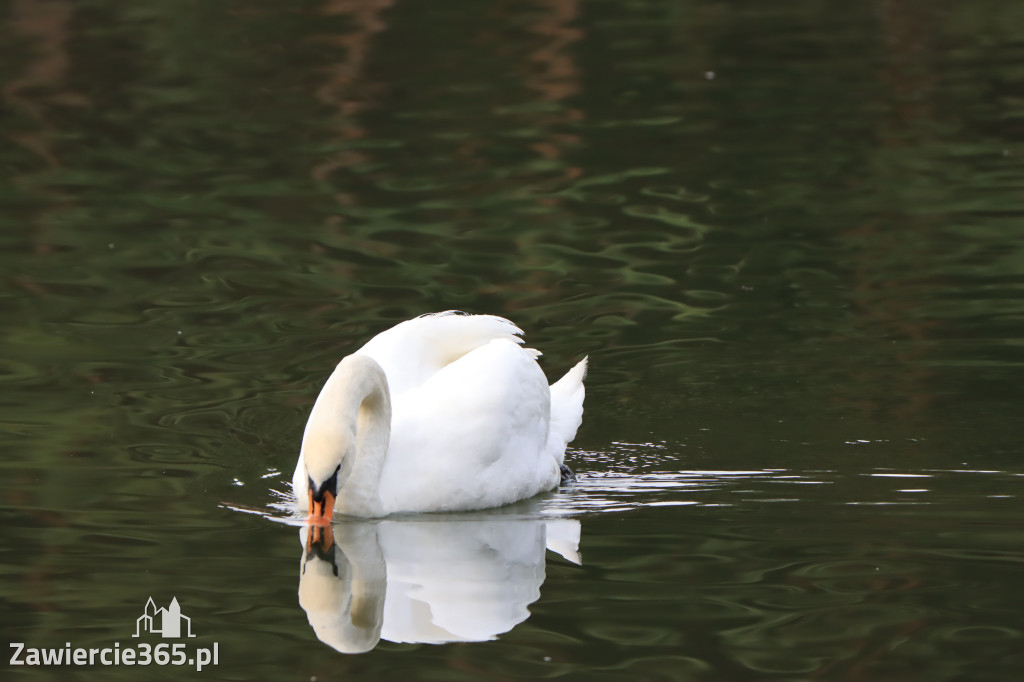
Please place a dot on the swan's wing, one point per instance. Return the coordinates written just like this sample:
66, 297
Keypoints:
472, 436
413, 351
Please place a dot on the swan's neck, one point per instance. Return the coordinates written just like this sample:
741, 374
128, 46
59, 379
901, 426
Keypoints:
350, 426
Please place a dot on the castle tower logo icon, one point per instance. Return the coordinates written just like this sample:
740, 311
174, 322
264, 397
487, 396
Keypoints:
165, 621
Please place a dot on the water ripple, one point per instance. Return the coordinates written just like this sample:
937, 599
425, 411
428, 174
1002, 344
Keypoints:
623, 486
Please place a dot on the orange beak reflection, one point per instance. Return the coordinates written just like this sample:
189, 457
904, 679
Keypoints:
320, 513
320, 538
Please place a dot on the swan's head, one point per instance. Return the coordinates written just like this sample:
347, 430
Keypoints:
325, 454
346, 437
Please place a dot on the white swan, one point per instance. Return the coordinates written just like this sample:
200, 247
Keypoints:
444, 412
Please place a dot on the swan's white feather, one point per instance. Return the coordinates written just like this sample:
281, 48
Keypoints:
413, 351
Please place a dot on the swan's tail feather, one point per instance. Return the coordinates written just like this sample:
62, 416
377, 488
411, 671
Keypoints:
567, 408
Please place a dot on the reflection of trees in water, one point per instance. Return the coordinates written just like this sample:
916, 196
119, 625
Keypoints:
486, 89
38, 93
793, 172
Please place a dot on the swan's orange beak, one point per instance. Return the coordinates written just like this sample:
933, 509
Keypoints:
320, 513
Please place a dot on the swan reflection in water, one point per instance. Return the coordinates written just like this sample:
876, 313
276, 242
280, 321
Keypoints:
443, 579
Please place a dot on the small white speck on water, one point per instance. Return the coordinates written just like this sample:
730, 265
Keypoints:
110, 245
709, 75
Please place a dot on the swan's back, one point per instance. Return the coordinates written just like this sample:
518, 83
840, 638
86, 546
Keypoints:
413, 351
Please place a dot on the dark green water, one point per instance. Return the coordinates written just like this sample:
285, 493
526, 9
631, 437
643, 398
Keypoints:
789, 236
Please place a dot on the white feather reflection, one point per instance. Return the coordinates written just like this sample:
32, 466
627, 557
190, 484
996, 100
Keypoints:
428, 581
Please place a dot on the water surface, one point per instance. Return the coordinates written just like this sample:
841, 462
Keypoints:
788, 238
